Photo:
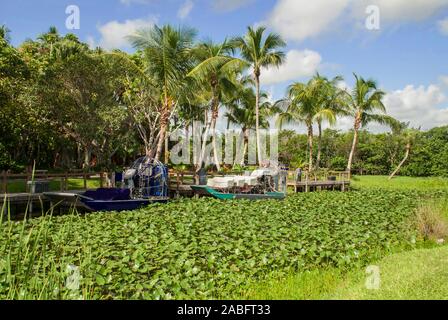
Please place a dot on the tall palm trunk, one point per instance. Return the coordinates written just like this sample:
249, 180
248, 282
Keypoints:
163, 130
319, 145
204, 141
246, 146
406, 156
215, 114
310, 146
257, 114
355, 143
163, 127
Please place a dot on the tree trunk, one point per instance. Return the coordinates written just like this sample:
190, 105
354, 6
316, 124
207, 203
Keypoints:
257, 114
319, 145
310, 146
245, 147
354, 144
163, 130
408, 151
215, 149
167, 147
215, 114
204, 143
87, 156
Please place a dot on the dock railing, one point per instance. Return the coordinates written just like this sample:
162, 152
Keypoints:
319, 179
60, 179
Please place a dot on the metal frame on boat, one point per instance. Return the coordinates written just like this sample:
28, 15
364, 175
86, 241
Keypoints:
146, 182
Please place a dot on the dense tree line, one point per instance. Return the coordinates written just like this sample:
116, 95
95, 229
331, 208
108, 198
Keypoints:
377, 154
65, 105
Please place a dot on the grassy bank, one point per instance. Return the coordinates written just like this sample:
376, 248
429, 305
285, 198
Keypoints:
55, 185
399, 183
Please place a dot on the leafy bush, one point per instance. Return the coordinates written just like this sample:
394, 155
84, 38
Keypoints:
338, 163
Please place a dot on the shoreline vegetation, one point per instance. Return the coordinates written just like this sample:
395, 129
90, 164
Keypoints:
208, 249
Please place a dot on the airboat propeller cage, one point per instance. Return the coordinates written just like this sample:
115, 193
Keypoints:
147, 178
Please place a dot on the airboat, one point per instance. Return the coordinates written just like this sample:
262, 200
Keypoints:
144, 183
263, 183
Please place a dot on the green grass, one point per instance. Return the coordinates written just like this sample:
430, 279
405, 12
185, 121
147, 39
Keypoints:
310, 285
399, 183
19, 186
415, 275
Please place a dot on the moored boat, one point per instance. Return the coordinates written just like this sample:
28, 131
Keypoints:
145, 183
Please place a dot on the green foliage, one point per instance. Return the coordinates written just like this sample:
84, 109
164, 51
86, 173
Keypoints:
338, 164
204, 248
416, 275
376, 153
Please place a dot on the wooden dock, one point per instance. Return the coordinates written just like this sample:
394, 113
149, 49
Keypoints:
321, 181
311, 186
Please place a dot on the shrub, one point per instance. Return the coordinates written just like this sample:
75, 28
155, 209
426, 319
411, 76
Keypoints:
431, 221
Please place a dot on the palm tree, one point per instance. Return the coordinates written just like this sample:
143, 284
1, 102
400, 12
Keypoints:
168, 58
364, 103
216, 73
331, 98
241, 113
408, 136
260, 52
303, 105
50, 38
5, 33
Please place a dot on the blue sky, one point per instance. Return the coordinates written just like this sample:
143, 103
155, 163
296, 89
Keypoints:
407, 55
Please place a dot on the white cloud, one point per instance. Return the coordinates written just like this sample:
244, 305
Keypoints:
129, 2
443, 26
298, 64
444, 80
421, 106
302, 19
114, 33
91, 42
185, 9
229, 5
401, 10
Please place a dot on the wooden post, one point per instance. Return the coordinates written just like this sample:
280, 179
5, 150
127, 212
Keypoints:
66, 182
5, 182
85, 180
101, 179
26, 182
306, 182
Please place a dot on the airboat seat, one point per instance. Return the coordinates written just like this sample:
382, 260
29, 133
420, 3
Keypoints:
241, 181
261, 172
221, 182
229, 182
